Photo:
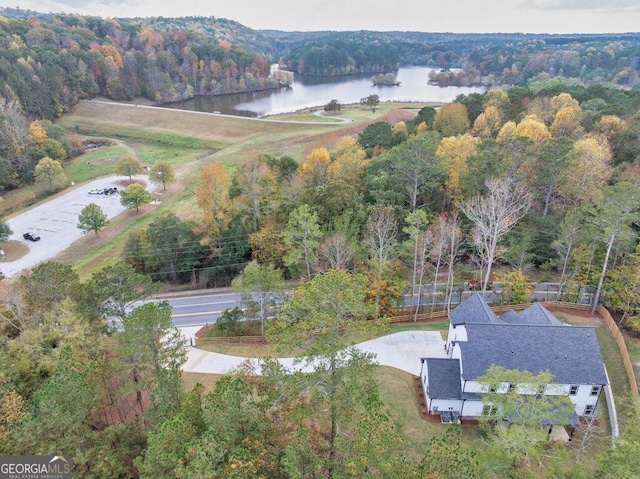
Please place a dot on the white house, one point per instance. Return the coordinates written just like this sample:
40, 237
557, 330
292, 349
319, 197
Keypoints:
532, 340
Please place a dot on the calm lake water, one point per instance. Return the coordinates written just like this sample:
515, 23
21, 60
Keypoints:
318, 91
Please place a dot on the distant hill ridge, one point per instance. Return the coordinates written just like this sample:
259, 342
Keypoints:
51, 60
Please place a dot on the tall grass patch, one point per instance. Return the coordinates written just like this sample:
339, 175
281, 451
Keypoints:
94, 164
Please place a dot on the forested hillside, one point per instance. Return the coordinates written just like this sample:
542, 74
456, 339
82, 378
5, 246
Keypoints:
49, 61
48, 64
489, 59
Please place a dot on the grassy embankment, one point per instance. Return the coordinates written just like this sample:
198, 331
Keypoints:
187, 140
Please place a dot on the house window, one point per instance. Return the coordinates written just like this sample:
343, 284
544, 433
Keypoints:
489, 410
588, 409
573, 390
595, 390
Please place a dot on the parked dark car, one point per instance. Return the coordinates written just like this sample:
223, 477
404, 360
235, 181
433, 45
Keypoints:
31, 236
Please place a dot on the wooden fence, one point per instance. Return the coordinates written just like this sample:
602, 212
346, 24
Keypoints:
200, 338
420, 318
231, 340
624, 352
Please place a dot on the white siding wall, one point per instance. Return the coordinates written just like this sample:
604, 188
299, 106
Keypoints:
456, 354
439, 405
423, 377
471, 409
580, 400
583, 397
456, 333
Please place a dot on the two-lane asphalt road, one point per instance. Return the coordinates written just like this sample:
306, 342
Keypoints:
198, 309
201, 309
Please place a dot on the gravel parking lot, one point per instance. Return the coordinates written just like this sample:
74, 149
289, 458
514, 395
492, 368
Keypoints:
55, 221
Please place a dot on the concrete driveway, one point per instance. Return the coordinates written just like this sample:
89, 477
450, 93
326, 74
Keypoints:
55, 221
399, 350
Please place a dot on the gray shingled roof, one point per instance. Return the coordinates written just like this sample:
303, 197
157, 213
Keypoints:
444, 378
510, 317
534, 314
473, 310
571, 353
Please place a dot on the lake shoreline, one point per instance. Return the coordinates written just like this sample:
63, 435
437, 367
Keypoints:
316, 92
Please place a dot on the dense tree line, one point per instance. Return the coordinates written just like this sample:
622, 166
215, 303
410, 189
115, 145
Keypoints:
489, 59
48, 64
557, 148
343, 56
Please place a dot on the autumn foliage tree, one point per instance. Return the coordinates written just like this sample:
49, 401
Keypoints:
254, 192
381, 240
128, 166
453, 151
302, 237
162, 174
488, 123
213, 198
50, 173
588, 170
451, 120
92, 218
135, 196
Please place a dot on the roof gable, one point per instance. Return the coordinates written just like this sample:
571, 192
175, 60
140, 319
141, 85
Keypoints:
571, 353
473, 310
534, 314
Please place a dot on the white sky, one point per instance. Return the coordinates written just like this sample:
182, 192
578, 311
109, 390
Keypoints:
527, 16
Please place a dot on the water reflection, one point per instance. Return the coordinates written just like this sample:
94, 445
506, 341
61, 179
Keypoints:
318, 91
